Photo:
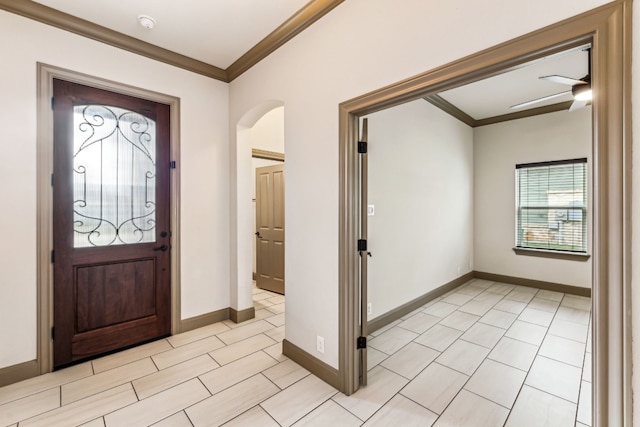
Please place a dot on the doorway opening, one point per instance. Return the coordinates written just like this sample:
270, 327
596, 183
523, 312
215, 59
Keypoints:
260, 144
608, 30
268, 165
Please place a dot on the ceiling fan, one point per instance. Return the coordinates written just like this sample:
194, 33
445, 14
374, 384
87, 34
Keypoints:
580, 89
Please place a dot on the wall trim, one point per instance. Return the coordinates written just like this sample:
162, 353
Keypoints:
21, 371
317, 367
267, 155
293, 26
298, 22
438, 101
562, 106
569, 256
242, 315
532, 283
81, 27
395, 314
204, 320
454, 111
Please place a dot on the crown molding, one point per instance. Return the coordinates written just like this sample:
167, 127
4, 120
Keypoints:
293, 26
64, 21
562, 106
451, 109
302, 19
454, 111
267, 155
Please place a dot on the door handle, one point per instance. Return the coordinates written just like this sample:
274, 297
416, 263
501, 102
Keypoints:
258, 235
162, 248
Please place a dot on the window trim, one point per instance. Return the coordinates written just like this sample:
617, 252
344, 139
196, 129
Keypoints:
550, 253
581, 255
551, 163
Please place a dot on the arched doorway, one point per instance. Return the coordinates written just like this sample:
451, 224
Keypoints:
261, 128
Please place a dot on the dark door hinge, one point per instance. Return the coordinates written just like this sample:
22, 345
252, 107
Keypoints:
172, 164
53, 102
362, 147
52, 180
53, 333
53, 257
362, 245
361, 343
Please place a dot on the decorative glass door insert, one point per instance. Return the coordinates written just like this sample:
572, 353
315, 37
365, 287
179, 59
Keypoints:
114, 179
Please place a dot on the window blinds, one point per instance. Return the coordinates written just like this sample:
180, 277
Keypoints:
551, 205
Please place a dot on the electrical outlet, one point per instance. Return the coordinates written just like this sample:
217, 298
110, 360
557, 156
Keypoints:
320, 344
369, 309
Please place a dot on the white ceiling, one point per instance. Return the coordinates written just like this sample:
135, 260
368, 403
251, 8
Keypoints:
213, 31
494, 96
218, 32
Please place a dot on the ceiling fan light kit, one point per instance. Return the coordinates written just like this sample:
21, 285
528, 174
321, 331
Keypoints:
580, 89
582, 92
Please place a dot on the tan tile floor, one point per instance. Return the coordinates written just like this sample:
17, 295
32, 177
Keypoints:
486, 354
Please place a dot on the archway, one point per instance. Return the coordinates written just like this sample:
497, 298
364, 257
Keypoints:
242, 224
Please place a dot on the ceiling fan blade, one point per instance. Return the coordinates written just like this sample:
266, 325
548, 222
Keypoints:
577, 105
535, 101
562, 80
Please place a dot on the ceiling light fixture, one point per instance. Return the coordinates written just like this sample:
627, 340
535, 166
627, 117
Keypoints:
147, 21
582, 92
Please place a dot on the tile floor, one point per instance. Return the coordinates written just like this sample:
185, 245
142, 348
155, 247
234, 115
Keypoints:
486, 354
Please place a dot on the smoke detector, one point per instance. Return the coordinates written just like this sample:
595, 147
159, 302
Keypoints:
147, 21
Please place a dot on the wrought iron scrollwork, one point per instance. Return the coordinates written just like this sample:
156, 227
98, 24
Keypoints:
114, 176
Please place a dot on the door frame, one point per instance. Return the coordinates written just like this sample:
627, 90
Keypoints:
609, 29
45, 75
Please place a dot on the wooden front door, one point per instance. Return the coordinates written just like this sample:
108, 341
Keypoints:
270, 228
111, 235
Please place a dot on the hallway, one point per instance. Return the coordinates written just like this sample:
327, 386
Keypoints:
504, 354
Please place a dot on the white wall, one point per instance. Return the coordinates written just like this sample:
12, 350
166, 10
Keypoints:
421, 186
268, 132
204, 170
360, 46
498, 148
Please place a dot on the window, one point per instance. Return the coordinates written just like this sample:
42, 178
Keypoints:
551, 205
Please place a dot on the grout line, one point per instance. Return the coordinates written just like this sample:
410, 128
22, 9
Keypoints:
551, 394
134, 390
486, 358
206, 388
387, 356
155, 364
534, 358
492, 401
